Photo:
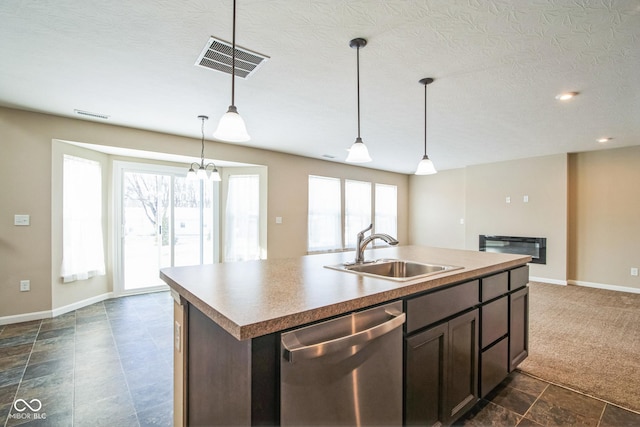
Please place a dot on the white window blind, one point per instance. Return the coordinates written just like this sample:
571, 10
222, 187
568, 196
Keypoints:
386, 209
82, 240
357, 209
242, 218
324, 223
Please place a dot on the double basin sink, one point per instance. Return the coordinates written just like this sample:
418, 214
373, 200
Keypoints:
394, 269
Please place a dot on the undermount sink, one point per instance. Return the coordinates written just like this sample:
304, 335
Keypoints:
394, 269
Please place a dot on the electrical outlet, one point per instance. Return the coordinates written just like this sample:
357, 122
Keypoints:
634, 271
25, 285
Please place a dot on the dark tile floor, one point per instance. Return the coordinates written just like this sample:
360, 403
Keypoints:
522, 400
110, 364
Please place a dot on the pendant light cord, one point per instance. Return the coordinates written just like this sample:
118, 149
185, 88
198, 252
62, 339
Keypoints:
202, 141
425, 119
233, 56
358, 85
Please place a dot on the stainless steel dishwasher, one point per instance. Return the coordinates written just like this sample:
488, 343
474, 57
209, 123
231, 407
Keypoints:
345, 371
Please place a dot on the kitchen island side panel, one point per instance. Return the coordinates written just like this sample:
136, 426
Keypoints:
230, 382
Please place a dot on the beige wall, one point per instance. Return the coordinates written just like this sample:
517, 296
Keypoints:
436, 209
604, 213
587, 205
600, 187
26, 170
544, 181
478, 194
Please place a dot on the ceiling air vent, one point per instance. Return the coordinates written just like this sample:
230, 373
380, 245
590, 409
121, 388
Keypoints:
217, 55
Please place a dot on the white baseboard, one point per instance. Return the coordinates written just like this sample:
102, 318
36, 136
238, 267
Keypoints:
76, 305
26, 317
39, 315
545, 280
605, 286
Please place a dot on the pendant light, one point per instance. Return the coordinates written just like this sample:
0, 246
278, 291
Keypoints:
425, 167
231, 127
358, 152
214, 175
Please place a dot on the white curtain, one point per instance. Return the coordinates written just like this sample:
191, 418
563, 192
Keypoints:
242, 218
82, 240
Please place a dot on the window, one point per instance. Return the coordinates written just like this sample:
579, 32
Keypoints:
386, 209
357, 206
82, 240
328, 213
325, 220
242, 218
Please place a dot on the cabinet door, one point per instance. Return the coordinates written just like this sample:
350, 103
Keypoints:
462, 385
518, 327
426, 365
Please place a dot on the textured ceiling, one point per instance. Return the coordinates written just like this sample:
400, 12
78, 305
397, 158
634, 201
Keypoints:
498, 66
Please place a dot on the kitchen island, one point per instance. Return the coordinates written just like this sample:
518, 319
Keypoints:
230, 317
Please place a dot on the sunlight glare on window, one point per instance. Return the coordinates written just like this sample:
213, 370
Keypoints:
357, 209
324, 224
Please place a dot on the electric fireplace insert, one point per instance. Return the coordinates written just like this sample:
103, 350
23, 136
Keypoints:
536, 247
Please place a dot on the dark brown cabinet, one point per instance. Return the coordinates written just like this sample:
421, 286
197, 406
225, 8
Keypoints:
442, 371
494, 324
518, 327
442, 360
504, 334
461, 342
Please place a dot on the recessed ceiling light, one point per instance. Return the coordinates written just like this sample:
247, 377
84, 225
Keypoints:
566, 96
603, 140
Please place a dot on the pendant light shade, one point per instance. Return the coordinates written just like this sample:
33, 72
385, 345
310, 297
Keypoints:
201, 174
231, 127
425, 167
358, 152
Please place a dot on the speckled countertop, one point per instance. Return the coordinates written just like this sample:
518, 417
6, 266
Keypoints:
255, 298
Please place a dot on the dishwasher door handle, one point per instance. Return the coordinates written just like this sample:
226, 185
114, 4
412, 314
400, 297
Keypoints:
293, 352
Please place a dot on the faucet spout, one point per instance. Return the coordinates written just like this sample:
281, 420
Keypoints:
362, 242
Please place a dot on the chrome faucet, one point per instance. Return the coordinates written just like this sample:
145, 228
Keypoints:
362, 242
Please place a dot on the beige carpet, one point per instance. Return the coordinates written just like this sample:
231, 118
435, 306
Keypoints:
586, 339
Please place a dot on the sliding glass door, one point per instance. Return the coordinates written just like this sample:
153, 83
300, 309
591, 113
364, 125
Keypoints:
165, 221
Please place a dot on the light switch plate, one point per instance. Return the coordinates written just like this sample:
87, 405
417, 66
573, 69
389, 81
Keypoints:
21, 220
634, 271
25, 285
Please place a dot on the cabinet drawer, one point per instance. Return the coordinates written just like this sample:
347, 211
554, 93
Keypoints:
519, 277
494, 286
495, 320
433, 307
494, 366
